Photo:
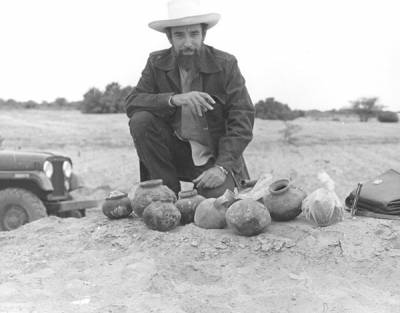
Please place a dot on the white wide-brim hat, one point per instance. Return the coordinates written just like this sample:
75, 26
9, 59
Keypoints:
185, 12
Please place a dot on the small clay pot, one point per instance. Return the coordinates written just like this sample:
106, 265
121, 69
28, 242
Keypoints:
248, 217
210, 213
117, 205
187, 204
284, 200
150, 191
161, 216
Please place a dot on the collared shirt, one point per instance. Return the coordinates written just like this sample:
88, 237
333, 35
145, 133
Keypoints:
192, 124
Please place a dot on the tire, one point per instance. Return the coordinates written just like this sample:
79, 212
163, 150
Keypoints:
18, 207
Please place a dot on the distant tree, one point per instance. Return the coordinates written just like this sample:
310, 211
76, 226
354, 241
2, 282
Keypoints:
270, 109
112, 100
74, 105
44, 104
61, 103
388, 117
366, 108
30, 104
91, 102
11, 103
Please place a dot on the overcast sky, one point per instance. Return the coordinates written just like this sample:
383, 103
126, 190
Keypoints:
310, 54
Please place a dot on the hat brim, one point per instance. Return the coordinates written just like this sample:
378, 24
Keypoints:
210, 19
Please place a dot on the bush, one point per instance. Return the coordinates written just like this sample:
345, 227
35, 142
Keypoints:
270, 109
112, 100
388, 117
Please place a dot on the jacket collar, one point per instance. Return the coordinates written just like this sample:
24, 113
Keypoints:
207, 63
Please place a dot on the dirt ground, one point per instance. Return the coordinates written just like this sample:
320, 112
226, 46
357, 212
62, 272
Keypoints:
97, 265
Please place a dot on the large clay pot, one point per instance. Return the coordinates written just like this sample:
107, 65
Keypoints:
284, 200
117, 205
210, 213
161, 216
248, 217
187, 204
150, 191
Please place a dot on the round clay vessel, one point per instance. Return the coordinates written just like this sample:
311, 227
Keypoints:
207, 216
161, 216
210, 213
284, 200
187, 204
150, 191
117, 205
248, 217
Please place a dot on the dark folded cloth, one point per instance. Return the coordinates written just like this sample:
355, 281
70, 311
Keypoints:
379, 195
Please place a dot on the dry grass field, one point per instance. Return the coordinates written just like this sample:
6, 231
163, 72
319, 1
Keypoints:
104, 155
96, 265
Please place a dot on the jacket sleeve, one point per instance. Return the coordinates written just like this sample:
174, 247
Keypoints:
146, 97
240, 119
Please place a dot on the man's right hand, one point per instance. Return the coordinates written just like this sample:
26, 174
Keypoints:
197, 101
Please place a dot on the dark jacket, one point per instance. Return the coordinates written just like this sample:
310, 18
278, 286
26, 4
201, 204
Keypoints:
230, 123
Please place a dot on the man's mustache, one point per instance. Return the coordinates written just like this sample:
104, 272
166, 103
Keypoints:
188, 50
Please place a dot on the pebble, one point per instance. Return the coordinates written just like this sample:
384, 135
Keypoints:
220, 246
290, 244
82, 301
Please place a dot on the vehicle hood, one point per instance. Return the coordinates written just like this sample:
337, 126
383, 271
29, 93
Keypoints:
25, 160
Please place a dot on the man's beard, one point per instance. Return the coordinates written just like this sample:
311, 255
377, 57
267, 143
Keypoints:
188, 62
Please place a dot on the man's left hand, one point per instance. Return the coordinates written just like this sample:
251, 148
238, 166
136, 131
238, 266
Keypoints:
211, 178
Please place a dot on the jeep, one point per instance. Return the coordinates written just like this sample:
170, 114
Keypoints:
36, 184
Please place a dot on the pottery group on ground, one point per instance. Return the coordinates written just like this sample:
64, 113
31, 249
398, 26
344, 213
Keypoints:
161, 210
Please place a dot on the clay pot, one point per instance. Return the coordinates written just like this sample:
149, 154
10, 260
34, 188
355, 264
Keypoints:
150, 191
284, 200
162, 216
210, 213
248, 217
187, 204
117, 205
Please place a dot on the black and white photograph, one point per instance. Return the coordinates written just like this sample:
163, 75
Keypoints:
199, 156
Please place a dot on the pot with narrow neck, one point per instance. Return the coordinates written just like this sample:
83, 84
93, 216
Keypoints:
210, 213
150, 191
284, 200
187, 204
117, 205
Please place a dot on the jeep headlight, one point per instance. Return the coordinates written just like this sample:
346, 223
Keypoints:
48, 169
67, 169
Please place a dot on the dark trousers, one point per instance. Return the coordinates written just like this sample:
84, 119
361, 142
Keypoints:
163, 155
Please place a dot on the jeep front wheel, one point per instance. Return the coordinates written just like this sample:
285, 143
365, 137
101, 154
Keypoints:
18, 207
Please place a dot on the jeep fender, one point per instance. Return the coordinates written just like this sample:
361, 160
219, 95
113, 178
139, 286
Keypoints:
39, 178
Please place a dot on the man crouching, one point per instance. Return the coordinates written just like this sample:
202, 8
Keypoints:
191, 116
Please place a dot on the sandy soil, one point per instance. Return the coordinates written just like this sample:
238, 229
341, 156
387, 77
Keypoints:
97, 265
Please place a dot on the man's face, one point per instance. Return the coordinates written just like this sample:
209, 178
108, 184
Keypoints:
186, 40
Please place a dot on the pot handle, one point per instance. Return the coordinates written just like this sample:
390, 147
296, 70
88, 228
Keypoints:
225, 200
